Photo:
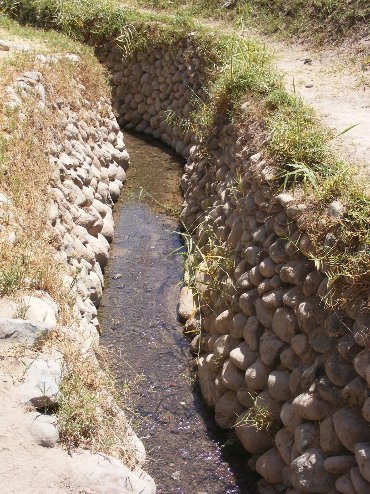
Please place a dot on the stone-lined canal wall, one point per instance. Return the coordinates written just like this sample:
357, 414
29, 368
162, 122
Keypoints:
88, 159
151, 85
289, 374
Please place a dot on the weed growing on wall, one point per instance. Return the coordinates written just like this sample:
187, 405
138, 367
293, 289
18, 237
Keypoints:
257, 416
237, 70
205, 265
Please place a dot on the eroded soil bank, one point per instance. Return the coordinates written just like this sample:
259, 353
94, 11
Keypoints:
187, 453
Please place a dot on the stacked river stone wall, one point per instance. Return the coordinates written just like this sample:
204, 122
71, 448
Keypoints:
88, 159
268, 342
150, 86
269, 346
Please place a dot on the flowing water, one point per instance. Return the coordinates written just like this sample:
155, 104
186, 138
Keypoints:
187, 452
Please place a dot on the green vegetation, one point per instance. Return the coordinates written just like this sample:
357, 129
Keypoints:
257, 416
315, 20
240, 71
10, 278
322, 18
205, 265
87, 412
93, 22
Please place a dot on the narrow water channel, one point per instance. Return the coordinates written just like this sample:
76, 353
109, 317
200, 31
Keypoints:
187, 452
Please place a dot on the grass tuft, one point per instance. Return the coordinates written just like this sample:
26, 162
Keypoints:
257, 416
90, 404
238, 71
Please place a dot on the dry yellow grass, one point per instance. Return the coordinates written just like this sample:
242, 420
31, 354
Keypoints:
26, 174
87, 411
89, 408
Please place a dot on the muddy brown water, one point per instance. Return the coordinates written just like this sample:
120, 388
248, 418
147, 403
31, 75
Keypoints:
187, 452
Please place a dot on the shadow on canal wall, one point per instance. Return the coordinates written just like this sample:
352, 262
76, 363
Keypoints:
269, 345
187, 451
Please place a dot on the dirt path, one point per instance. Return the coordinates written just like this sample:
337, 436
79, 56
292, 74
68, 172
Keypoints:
336, 87
330, 80
335, 84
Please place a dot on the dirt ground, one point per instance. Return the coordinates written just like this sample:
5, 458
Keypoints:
25, 467
336, 84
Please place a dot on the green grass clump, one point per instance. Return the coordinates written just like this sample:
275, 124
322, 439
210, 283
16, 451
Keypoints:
10, 278
298, 144
238, 70
323, 18
96, 22
345, 258
316, 20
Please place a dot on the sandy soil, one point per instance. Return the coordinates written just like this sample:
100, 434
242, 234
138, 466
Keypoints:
335, 84
25, 467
